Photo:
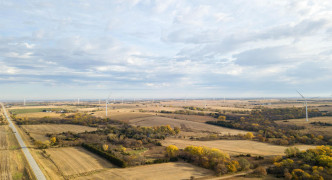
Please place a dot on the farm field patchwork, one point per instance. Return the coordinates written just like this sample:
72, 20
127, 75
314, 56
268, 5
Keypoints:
236, 146
184, 124
310, 128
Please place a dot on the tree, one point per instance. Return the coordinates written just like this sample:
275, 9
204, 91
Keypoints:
244, 164
53, 140
222, 118
260, 171
105, 147
177, 130
292, 151
300, 174
249, 135
220, 169
233, 166
172, 151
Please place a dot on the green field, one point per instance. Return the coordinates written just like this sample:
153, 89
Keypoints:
33, 110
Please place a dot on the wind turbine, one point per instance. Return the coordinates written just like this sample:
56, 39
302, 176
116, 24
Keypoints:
306, 106
106, 105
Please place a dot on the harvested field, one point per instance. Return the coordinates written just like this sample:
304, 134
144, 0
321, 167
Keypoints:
39, 131
122, 115
13, 164
125, 117
4, 154
177, 170
39, 114
184, 124
77, 161
236, 146
3, 138
194, 118
5, 165
310, 128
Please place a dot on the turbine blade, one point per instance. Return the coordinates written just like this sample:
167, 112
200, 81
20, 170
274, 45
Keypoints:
300, 94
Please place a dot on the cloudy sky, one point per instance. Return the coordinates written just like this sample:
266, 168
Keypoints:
172, 48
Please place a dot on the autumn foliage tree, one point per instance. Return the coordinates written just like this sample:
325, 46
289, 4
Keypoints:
172, 151
105, 147
211, 158
53, 140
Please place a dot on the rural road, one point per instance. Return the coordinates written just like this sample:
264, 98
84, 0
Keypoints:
34, 166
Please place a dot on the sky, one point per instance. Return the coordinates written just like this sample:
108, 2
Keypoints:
165, 49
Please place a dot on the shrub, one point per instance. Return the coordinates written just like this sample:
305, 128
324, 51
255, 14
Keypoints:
260, 171
244, 164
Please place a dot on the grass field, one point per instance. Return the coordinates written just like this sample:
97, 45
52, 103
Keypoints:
165, 171
77, 161
321, 130
39, 131
33, 110
39, 114
235, 146
184, 124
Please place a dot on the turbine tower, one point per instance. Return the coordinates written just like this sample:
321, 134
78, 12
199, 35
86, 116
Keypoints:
106, 106
24, 102
306, 106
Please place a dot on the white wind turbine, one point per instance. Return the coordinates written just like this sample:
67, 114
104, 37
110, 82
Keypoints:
306, 106
106, 102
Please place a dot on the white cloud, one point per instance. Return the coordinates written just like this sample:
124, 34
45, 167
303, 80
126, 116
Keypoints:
146, 44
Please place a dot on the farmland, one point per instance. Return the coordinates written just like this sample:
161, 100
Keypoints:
178, 170
310, 128
236, 146
184, 124
39, 131
32, 110
13, 164
135, 136
75, 161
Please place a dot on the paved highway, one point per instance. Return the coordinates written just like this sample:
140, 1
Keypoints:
34, 166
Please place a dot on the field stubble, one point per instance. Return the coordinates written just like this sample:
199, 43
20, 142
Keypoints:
235, 146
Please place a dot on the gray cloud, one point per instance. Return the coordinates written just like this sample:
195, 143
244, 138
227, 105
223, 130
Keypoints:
176, 46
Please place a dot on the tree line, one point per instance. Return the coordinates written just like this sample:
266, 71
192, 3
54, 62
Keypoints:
310, 164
